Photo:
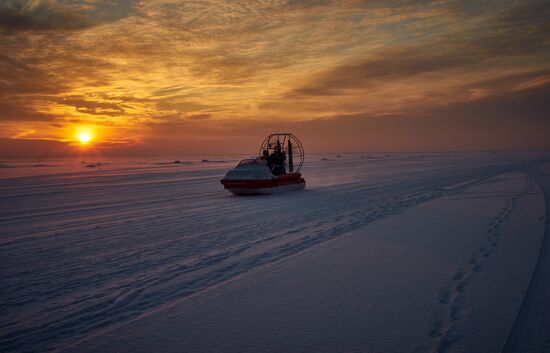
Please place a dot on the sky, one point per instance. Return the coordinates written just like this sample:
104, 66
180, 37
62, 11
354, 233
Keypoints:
167, 77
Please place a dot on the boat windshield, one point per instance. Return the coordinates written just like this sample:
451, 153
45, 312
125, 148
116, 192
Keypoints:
253, 161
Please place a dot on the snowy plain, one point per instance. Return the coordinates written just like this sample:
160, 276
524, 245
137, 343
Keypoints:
409, 252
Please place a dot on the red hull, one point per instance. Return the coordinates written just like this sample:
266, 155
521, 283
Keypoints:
286, 182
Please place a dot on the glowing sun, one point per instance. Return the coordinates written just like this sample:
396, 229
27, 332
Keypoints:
84, 137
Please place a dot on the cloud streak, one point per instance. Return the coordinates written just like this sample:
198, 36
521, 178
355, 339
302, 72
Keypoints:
53, 15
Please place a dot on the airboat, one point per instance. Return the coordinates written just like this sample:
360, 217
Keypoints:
275, 170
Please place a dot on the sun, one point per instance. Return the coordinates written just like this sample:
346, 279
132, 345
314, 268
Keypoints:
84, 137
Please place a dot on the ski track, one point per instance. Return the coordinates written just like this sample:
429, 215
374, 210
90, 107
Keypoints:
83, 253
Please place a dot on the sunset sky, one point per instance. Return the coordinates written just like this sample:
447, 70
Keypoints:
188, 77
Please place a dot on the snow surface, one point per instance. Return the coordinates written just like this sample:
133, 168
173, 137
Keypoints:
381, 253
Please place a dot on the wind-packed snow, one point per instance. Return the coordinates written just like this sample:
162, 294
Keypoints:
380, 253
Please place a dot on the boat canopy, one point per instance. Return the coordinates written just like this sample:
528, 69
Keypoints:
250, 169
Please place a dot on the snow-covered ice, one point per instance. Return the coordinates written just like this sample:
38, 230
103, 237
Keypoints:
433, 252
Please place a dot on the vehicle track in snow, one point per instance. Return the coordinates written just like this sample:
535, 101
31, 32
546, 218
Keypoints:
82, 258
531, 330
